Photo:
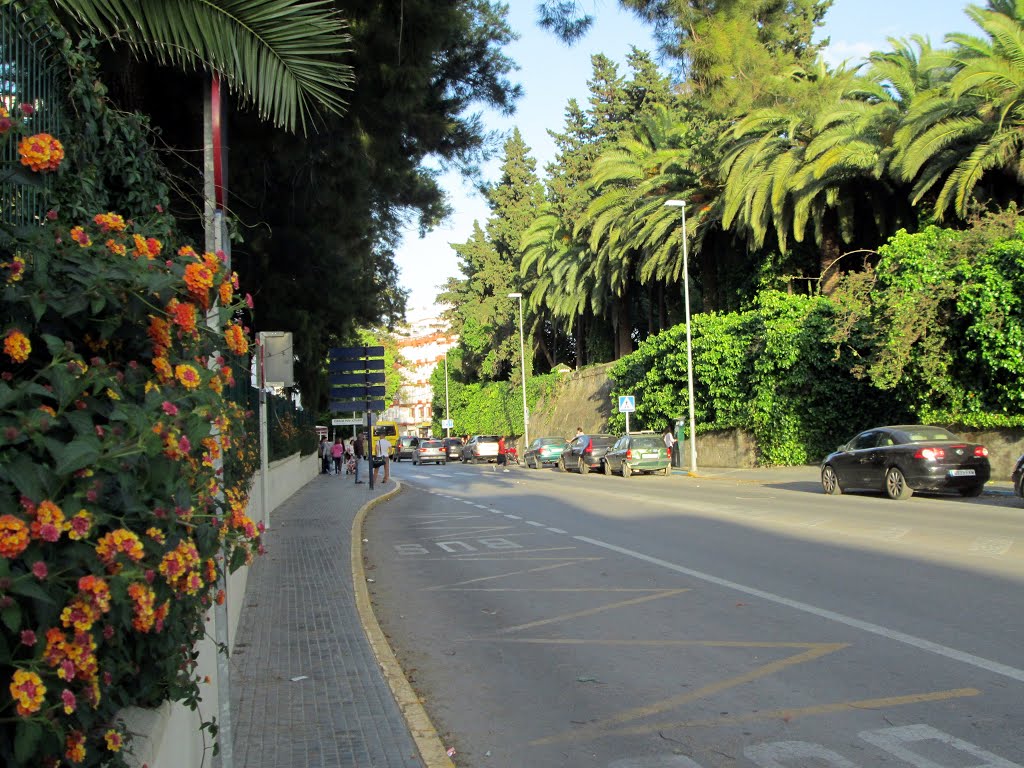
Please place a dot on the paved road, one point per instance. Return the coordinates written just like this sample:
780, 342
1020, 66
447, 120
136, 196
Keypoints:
557, 620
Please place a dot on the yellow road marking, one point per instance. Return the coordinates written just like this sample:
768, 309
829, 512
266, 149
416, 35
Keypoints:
498, 576
553, 589
653, 643
591, 611
816, 650
788, 714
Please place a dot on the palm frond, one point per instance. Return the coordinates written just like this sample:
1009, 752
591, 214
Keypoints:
283, 56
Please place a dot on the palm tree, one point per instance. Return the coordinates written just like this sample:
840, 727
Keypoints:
283, 56
973, 127
821, 161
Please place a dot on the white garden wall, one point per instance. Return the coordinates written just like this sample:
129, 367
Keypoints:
169, 736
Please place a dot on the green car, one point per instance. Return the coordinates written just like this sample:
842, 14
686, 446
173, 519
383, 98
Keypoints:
544, 450
638, 453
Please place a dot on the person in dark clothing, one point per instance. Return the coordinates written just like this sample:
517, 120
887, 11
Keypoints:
324, 452
358, 447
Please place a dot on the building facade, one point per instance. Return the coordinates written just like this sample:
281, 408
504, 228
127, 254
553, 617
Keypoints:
422, 346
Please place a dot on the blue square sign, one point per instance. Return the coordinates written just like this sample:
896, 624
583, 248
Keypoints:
627, 404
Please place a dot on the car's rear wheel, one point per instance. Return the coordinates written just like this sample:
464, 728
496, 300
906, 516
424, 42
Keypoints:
896, 484
829, 481
606, 467
972, 491
626, 471
581, 465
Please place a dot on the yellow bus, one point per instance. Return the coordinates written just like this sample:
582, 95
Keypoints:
389, 431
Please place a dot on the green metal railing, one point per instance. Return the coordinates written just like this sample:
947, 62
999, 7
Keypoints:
28, 75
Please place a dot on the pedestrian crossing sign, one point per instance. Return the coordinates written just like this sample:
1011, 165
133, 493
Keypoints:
627, 404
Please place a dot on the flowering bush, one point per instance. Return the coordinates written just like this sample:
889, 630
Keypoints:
115, 517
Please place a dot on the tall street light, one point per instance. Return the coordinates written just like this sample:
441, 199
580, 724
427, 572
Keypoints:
522, 363
447, 418
681, 205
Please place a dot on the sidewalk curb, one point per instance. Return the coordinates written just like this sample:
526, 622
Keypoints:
422, 730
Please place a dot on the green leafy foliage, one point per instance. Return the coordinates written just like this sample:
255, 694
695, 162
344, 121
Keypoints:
939, 324
116, 522
770, 370
486, 408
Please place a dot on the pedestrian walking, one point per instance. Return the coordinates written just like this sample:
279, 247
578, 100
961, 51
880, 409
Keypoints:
360, 453
381, 459
338, 454
502, 458
324, 453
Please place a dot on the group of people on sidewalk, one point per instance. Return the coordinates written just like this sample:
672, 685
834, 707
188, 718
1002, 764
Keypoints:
350, 454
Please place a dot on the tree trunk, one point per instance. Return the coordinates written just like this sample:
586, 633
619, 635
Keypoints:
662, 308
830, 253
580, 341
623, 326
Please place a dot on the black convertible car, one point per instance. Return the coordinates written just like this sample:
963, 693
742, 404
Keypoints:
906, 458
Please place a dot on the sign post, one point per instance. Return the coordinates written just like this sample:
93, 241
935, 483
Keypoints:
356, 376
627, 404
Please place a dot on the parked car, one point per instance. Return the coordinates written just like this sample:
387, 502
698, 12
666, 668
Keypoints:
585, 452
544, 450
1018, 477
429, 450
404, 447
453, 447
638, 453
906, 458
480, 448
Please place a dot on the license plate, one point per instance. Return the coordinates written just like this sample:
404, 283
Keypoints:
961, 473
648, 456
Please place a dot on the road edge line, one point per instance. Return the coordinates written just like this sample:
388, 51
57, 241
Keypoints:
422, 730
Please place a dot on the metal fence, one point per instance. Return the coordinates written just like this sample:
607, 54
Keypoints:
28, 75
289, 428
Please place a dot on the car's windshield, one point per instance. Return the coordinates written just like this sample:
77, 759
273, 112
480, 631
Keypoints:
550, 441
487, 439
430, 443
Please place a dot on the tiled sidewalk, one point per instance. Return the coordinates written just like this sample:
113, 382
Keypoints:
306, 688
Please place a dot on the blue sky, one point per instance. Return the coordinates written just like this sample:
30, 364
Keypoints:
552, 73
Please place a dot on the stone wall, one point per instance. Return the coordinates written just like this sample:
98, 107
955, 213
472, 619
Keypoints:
584, 399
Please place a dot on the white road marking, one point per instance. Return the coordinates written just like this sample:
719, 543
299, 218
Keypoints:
513, 517
658, 761
892, 740
421, 477
995, 667
782, 753
991, 546
894, 533
557, 530
480, 506
539, 525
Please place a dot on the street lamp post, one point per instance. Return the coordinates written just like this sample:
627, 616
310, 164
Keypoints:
447, 418
681, 205
522, 363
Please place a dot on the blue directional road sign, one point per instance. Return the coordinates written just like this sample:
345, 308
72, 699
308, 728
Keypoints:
627, 403
356, 378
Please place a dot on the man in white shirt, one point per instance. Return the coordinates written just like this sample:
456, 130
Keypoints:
670, 443
381, 449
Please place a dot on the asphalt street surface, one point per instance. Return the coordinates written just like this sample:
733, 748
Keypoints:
552, 620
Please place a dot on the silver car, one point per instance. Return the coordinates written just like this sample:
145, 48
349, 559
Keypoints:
429, 450
480, 448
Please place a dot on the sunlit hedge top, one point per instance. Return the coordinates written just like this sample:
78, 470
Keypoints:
116, 347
